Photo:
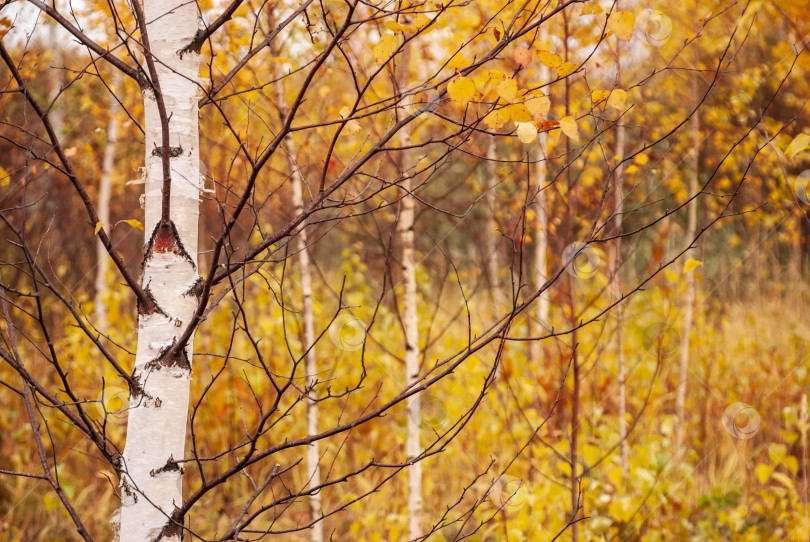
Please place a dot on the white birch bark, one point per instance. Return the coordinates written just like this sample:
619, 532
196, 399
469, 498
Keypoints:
680, 400
103, 208
311, 366
615, 287
541, 237
491, 235
151, 481
405, 231
541, 228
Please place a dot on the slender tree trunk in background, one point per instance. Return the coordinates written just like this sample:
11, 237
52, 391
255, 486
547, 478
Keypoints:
615, 286
411, 319
680, 400
616, 262
151, 481
491, 235
572, 204
541, 244
103, 209
313, 452
795, 258
541, 226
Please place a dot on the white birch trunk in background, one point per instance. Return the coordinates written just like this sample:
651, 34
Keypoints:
405, 230
491, 235
680, 400
311, 366
541, 236
103, 208
151, 482
541, 226
615, 287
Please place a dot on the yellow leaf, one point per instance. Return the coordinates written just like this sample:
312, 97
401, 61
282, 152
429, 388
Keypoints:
393, 26
135, 223
549, 59
615, 476
526, 132
538, 106
99, 225
763, 472
507, 89
690, 265
617, 99
385, 48
522, 56
516, 112
642, 159
420, 22
552, 139
497, 75
495, 120
344, 112
565, 69
621, 23
792, 463
590, 9
569, 127
352, 127
599, 95
461, 91
799, 144
591, 454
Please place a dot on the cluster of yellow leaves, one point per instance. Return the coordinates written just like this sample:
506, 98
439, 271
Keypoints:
420, 22
617, 98
555, 62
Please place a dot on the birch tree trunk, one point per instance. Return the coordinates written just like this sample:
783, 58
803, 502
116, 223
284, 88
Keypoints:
615, 287
151, 479
405, 231
105, 189
311, 368
541, 225
680, 401
491, 237
541, 245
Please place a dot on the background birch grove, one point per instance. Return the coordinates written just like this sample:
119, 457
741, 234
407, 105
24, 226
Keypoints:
468, 270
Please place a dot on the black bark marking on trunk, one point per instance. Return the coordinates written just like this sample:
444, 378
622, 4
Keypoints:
149, 304
196, 289
195, 46
174, 152
165, 359
136, 391
170, 466
172, 529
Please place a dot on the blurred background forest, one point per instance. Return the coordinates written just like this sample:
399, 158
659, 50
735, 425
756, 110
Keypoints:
740, 470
